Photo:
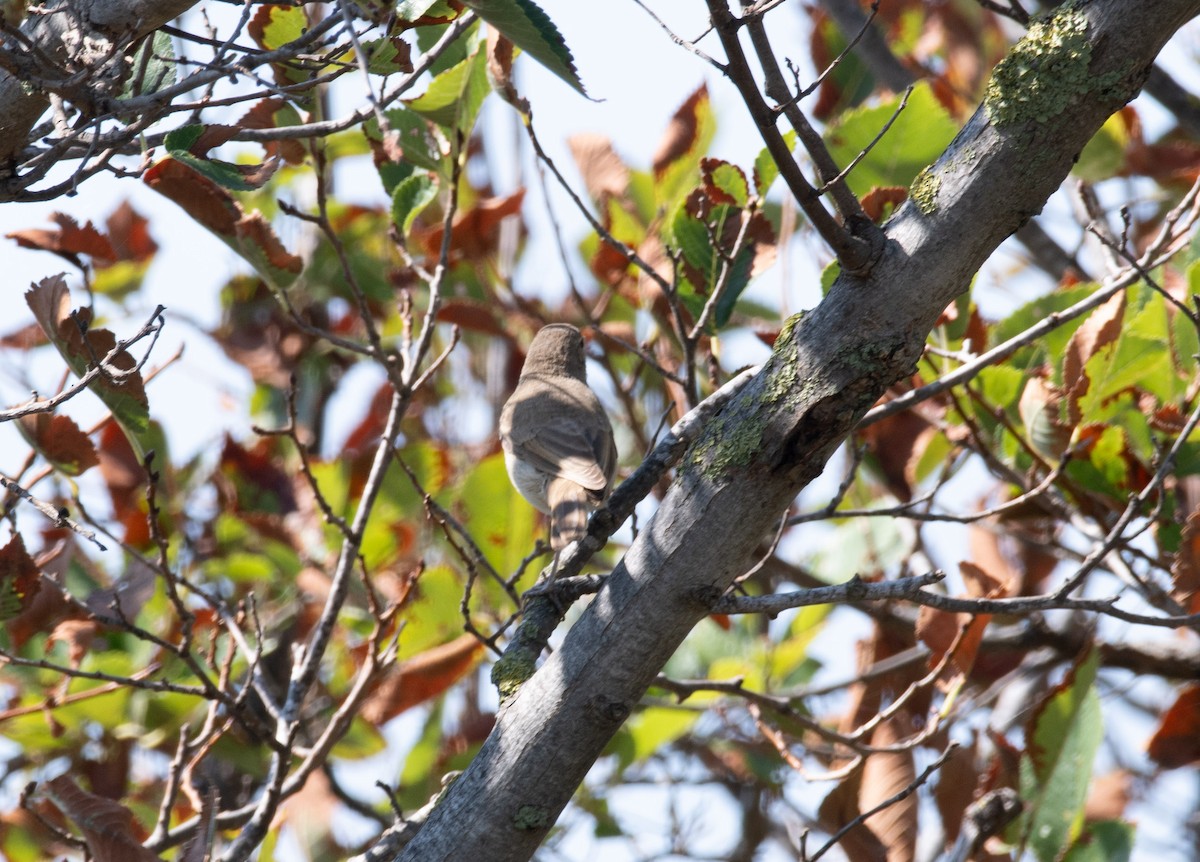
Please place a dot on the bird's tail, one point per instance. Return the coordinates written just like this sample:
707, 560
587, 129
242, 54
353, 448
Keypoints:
570, 505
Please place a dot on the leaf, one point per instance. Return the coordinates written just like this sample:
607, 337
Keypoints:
421, 678
248, 234
68, 242
1039, 410
724, 183
917, 137
20, 578
190, 143
604, 173
1102, 328
1106, 841
887, 774
766, 171
454, 97
107, 826
410, 197
1063, 735
687, 136
530, 29
153, 67
654, 728
60, 441
1176, 740
78, 343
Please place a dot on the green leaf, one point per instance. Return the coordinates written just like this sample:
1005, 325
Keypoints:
1104, 155
179, 144
725, 180
418, 142
410, 197
153, 67
454, 97
1105, 841
917, 137
766, 171
1063, 736
530, 29
656, 727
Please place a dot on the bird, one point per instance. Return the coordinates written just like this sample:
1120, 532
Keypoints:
557, 440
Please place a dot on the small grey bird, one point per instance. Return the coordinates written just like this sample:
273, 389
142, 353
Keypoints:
558, 443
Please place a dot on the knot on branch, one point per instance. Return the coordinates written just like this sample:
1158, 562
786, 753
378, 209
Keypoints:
608, 710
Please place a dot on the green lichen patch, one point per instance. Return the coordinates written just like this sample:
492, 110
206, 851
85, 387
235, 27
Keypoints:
1044, 72
511, 671
531, 817
924, 191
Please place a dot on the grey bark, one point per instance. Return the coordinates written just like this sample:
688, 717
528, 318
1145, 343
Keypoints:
76, 35
773, 438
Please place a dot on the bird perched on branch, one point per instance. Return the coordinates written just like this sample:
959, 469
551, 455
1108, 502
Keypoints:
558, 443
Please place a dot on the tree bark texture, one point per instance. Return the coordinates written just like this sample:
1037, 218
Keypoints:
826, 370
76, 35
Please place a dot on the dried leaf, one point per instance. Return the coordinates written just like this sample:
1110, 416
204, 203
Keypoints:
108, 827
604, 173
885, 774
60, 441
422, 677
1176, 741
20, 578
682, 132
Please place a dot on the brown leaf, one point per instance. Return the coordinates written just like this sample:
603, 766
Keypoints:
604, 174
886, 774
214, 208
840, 807
881, 201
1176, 742
77, 635
473, 315
69, 241
60, 441
681, 133
264, 116
1100, 329
129, 233
26, 338
422, 677
499, 66
20, 578
475, 233
896, 444
49, 603
955, 790
109, 828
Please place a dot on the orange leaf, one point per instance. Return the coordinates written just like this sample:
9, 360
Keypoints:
60, 441
1176, 742
421, 678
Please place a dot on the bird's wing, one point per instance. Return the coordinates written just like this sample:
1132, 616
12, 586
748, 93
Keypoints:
564, 448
